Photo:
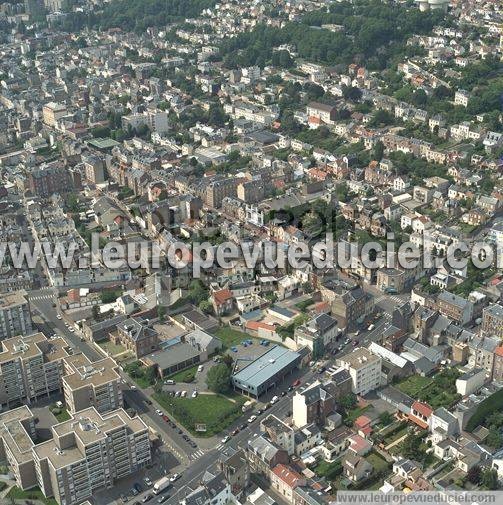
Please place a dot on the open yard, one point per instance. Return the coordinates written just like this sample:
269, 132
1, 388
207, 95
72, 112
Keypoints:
328, 470
215, 411
437, 391
16, 493
186, 375
230, 336
413, 385
378, 462
110, 348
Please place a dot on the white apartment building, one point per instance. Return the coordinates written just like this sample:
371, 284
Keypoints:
89, 453
364, 369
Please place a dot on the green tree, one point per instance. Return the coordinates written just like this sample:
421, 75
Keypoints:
474, 474
489, 479
348, 401
218, 378
205, 306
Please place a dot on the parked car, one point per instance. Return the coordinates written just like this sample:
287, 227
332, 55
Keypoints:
225, 439
174, 477
124, 498
296, 383
147, 498
251, 419
158, 412
194, 394
147, 481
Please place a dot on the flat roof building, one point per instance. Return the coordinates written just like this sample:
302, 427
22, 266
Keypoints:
15, 317
30, 367
95, 384
17, 435
88, 453
266, 371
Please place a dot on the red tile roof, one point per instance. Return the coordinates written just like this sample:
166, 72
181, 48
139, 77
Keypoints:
423, 408
222, 296
290, 477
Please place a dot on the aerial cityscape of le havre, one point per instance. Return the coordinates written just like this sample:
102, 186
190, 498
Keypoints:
251, 252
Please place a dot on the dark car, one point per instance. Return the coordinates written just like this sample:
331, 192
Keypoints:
147, 498
243, 427
163, 498
148, 402
138, 487
235, 432
283, 393
123, 498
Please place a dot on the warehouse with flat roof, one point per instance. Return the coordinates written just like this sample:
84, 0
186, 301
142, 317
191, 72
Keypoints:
265, 372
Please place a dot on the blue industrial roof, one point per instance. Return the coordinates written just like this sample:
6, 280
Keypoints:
270, 363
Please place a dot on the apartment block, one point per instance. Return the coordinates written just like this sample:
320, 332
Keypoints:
30, 367
95, 384
492, 321
17, 436
15, 317
89, 453
364, 369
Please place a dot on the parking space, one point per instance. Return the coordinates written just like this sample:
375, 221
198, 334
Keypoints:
135, 488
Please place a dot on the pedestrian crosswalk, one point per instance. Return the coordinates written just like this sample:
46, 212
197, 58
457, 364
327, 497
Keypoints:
197, 455
42, 297
395, 298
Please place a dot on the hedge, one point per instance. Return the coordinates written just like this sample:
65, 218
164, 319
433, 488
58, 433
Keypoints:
491, 404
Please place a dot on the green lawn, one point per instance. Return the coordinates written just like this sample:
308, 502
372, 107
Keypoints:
377, 461
230, 336
216, 411
413, 385
111, 348
437, 391
302, 306
353, 414
186, 375
143, 376
328, 470
62, 416
32, 494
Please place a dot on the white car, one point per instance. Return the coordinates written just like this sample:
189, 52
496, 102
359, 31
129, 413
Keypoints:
158, 412
251, 419
147, 481
174, 477
194, 394
71, 330
59, 317
200, 368
274, 399
225, 439
184, 394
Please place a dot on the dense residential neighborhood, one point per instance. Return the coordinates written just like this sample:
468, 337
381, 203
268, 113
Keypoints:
209, 216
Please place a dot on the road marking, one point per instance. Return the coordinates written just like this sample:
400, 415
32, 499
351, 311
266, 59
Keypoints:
197, 454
